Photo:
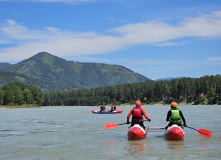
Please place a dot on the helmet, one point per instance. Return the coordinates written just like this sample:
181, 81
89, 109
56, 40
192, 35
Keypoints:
138, 103
173, 104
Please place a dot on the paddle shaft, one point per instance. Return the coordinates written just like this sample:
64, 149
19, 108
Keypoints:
126, 123
204, 132
122, 123
191, 128
130, 122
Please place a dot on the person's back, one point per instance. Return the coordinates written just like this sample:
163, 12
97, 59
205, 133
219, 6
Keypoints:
174, 116
137, 115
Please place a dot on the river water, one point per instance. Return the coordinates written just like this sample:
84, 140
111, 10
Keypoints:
69, 133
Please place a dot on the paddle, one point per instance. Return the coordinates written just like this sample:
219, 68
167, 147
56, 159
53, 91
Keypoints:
112, 125
202, 132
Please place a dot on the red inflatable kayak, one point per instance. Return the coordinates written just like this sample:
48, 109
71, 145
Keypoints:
137, 132
175, 133
108, 112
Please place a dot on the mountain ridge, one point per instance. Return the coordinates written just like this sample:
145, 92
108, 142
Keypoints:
47, 67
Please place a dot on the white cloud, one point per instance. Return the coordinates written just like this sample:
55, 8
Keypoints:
214, 58
155, 32
68, 43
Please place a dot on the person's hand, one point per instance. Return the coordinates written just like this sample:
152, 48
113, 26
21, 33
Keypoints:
128, 122
149, 120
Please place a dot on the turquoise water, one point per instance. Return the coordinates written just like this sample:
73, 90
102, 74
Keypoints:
65, 133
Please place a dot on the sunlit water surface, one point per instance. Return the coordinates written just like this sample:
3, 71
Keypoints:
66, 133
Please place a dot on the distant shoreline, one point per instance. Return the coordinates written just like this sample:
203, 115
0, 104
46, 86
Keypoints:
14, 107
157, 104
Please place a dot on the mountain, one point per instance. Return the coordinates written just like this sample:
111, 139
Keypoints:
4, 66
52, 69
167, 79
8, 77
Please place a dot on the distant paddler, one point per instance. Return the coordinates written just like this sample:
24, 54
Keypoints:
102, 108
113, 108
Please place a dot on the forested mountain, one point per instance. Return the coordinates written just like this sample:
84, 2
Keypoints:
49, 68
167, 79
8, 77
4, 66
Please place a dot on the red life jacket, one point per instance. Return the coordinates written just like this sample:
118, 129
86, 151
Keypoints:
137, 114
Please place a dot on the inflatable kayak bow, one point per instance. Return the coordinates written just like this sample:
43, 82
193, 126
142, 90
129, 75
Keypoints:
108, 112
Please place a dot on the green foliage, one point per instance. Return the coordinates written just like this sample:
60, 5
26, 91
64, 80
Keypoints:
18, 94
51, 69
8, 77
148, 92
4, 66
185, 90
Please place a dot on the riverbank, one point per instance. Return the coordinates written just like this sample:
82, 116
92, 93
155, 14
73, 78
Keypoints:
155, 104
22, 106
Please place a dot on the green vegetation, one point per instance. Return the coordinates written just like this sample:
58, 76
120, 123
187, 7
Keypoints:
48, 68
48, 80
204, 90
18, 94
8, 77
4, 66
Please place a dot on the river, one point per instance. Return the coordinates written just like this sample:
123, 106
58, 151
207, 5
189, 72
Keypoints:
69, 133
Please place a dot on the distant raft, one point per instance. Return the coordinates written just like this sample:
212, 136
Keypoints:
108, 112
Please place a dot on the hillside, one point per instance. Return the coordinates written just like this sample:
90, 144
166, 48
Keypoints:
167, 79
4, 66
8, 77
49, 68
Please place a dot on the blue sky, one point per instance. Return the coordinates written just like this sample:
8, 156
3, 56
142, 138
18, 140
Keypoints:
156, 38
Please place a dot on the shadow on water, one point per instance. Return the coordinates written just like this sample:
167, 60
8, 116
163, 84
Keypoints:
136, 148
175, 144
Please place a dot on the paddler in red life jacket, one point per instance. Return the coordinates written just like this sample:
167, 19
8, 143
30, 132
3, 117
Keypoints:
137, 115
113, 108
174, 116
103, 108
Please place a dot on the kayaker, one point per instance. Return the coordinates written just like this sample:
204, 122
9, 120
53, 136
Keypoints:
174, 116
137, 115
103, 108
113, 108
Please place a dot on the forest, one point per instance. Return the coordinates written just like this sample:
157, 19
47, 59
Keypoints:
17, 94
203, 90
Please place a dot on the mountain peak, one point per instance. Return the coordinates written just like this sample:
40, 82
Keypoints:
50, 68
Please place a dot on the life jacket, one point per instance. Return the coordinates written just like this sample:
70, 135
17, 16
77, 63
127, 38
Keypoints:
137, 115
113, 108
102, 108
175, 116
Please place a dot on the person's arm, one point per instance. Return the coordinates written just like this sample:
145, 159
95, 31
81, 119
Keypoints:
168, 115
128, 116
183, 119
145, 115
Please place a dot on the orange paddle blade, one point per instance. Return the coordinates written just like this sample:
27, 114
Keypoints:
204, 132
110, 125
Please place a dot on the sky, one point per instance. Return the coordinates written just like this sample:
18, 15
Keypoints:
155, 38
